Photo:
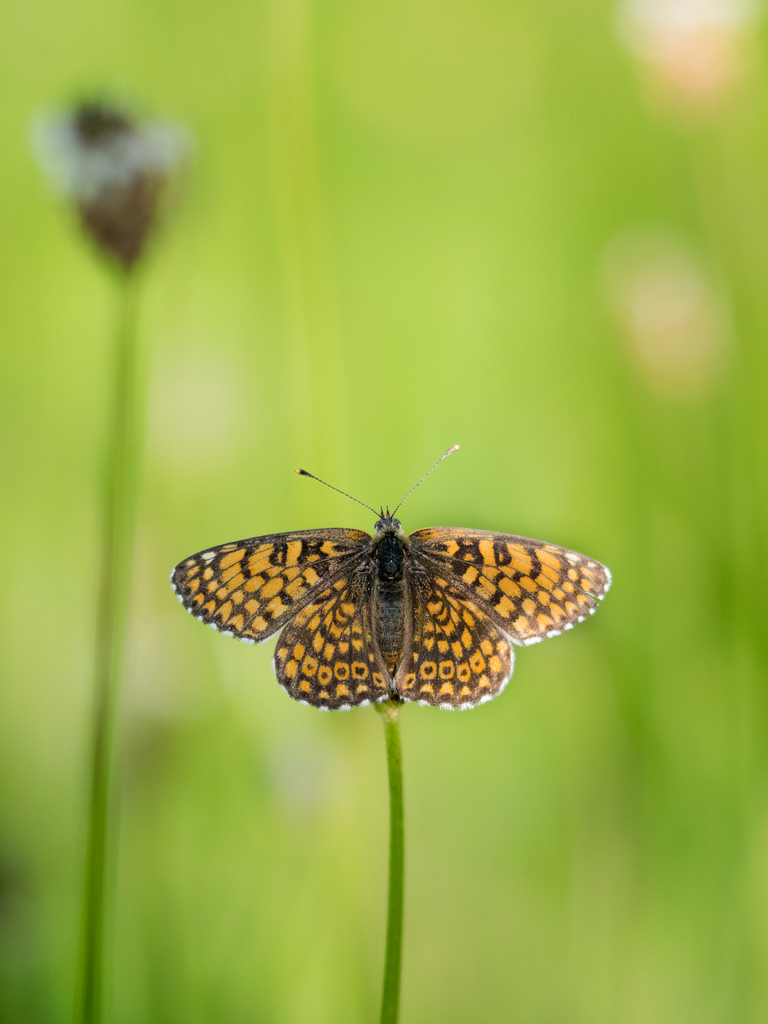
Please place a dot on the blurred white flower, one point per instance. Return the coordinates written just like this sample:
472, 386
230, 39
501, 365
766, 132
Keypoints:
692, 52
646, 23
112, 169
674, 322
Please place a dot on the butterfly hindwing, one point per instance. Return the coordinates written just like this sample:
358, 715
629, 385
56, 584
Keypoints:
454, 656
327, 655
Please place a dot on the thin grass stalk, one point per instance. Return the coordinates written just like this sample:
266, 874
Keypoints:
390, 1001
111, 616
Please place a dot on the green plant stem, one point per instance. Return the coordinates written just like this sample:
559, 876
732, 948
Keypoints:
390, 1002
113, 586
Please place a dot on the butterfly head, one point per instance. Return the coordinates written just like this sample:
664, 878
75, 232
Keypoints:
388, 524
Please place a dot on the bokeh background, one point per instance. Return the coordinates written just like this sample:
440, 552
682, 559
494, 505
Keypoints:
539, 230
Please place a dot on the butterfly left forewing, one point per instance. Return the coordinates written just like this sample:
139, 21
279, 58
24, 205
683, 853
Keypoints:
530, 588
250, 588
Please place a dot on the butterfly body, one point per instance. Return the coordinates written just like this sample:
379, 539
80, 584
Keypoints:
389, 592
431, 617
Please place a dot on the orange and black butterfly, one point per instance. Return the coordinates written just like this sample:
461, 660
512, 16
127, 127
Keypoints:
430, 617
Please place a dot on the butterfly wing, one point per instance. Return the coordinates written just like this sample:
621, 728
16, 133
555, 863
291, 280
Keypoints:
250, 588
327, 655
529, 588
454, 655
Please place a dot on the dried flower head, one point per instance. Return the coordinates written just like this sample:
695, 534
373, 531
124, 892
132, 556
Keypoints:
114, 170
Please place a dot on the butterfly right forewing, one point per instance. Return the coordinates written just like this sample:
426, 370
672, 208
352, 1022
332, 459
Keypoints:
531, 589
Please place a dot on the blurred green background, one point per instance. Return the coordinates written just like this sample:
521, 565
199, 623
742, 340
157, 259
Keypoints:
522, 227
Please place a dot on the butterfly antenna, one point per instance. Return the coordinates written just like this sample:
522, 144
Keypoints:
450, 451
303, 472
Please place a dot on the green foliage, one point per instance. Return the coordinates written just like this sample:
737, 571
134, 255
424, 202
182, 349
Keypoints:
406, 227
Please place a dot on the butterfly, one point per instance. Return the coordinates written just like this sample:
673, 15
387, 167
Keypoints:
431, 617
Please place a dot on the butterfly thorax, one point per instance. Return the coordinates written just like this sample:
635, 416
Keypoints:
390, 552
